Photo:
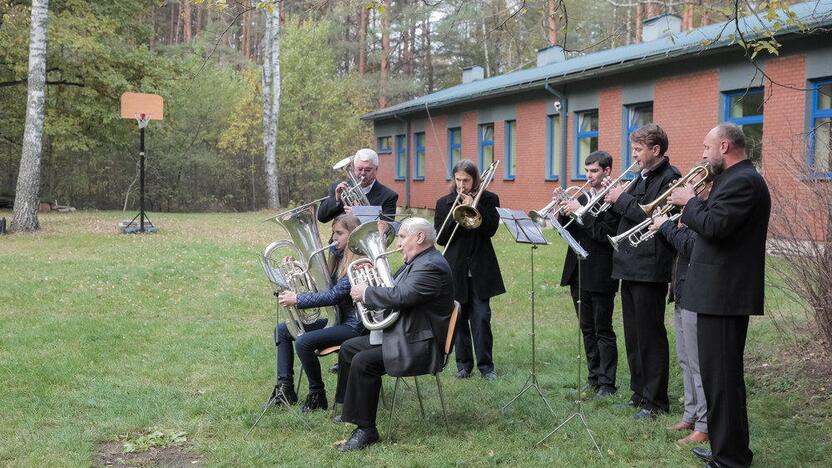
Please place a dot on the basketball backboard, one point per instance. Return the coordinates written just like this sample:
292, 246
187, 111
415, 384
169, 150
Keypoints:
141, 105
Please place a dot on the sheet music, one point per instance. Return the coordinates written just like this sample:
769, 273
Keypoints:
367, 213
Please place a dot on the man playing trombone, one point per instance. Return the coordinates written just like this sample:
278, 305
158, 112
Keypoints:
596, 289
362, 184
476, 272
644, 272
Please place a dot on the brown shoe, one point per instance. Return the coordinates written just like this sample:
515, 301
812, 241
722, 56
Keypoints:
681, 426
694, 437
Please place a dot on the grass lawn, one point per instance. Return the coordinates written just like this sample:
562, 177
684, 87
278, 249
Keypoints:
104, 335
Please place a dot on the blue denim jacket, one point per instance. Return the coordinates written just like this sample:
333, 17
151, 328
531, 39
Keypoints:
339, 296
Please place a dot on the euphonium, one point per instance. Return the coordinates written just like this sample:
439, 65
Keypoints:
302, 225
353, 195
374, 270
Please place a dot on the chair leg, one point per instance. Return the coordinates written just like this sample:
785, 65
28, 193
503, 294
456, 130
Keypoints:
419, 396
300, 379
393, 406
442, 401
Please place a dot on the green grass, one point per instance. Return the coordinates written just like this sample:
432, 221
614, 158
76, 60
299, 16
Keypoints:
103, 334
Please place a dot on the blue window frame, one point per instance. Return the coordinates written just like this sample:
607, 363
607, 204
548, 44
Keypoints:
745, 108
419, 156
586, 139
509, 170
384, 145
553, 147
820, 136
454, 148
401, 157
486, 145
638, 115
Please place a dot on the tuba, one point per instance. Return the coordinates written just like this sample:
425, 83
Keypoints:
373, 270
308, 271
352, 196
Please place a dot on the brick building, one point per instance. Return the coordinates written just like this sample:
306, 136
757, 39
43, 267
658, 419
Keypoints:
541, 122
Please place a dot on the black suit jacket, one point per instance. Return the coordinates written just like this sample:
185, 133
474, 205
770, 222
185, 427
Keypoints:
424, 296
652, 261
726, 275
471, 249
596, 270
379, 195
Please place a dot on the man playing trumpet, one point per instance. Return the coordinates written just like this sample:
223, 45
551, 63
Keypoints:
594, 292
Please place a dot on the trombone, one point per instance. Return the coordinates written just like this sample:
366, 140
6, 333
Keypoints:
570, 193
468, 216
699, 176
592, 206
353, 195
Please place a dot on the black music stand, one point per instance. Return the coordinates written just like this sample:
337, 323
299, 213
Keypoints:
526, 231
579, 410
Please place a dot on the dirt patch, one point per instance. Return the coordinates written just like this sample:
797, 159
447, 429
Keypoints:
112, 454
794, 367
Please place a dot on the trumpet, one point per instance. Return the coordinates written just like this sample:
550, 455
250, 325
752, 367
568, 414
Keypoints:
640, 232
353, 195
570, 193
468, 216
698, 175
595, 206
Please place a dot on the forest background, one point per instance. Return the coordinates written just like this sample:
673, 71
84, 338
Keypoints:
338, 60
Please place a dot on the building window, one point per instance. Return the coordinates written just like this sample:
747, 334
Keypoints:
745, 108
586, 139
486, 145
553, 147
401, 157
820, 149
419, 156
454, 148
384, 144
511, 150
638, 115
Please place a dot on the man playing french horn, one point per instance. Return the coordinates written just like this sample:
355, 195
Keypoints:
422, 293
317, 335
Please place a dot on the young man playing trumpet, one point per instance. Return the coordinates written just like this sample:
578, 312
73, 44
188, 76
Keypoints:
594, 292
365, 168
644, 272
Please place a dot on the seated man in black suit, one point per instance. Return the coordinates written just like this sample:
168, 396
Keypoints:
365, 167
423, 294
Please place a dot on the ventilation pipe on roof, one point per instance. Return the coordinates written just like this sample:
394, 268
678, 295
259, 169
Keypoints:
549, 55
660, 26
472, 73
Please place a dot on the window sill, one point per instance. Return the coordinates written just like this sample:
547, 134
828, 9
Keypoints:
552, 178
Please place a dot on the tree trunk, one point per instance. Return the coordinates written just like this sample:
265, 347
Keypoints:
271, 103
552, 28
485, 49
177, 19
637, 27
27, 193
687, 16
246, 32
426, 46
362, 41
186, 20
385, 53
200, 14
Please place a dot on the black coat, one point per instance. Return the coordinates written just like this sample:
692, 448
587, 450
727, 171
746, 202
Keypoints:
682, 240
379, 195
423, 295
471, 249
651, 261
596, 269
726, 275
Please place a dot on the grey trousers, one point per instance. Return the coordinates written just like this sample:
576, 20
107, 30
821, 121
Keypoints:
687, 351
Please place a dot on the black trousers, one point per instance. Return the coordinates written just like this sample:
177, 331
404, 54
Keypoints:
721, 351
645, 338
595, 317
360, 367
474, 320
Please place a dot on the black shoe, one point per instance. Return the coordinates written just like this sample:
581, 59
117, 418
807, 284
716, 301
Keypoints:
462, 374
634, 402
713, 464
333, 369
703, 454
645, 414
492, 375
284, 394
314, 401
359, 439
604, 391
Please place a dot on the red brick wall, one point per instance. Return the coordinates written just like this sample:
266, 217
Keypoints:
610, 126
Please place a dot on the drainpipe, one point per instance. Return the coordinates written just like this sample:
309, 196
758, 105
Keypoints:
407, 158
564, 118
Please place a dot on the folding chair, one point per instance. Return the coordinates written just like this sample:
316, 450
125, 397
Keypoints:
449, 346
